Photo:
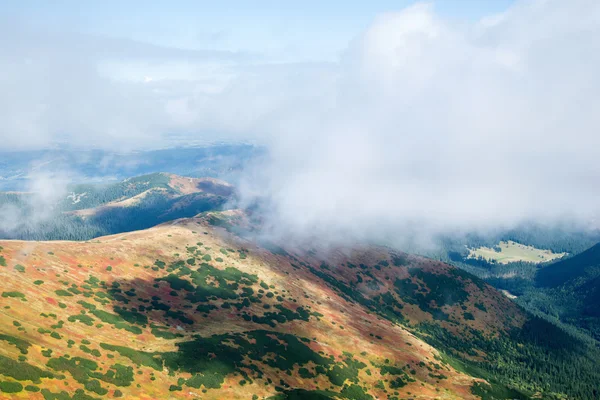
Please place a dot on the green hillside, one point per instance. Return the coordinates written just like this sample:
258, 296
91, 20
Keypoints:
199, 307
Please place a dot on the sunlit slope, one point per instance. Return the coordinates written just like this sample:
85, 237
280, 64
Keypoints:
90, 200
185, 310
203, 308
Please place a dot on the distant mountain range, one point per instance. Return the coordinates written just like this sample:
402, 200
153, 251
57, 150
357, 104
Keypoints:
223, 161
91, 210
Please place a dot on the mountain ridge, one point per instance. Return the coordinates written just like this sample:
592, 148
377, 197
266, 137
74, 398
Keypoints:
219, 323
93, 210
163, 294
576, 282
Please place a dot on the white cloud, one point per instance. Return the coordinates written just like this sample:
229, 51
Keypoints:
439, 128
90, 91
421, 123
44, 191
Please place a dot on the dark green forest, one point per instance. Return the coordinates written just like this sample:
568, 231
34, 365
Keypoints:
565, 292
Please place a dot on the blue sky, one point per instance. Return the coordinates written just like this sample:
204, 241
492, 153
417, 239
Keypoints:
276, 30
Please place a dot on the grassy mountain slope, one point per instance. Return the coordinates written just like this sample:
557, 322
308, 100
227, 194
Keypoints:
192, 308
211, 315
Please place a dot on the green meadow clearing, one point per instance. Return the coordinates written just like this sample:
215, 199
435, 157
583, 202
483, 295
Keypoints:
514, 252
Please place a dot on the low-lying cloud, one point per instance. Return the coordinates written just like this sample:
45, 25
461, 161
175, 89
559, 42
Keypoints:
427, 127
25, 211
423, 126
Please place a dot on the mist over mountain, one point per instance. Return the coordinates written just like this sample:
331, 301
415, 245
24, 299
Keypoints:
422, 124
426, 127
63, 165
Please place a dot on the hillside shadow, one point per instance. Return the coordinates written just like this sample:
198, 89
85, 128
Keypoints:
222, 321
201, 299
154, 210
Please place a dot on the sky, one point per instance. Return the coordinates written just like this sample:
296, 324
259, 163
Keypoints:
136, 73
275, 31
378, 116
